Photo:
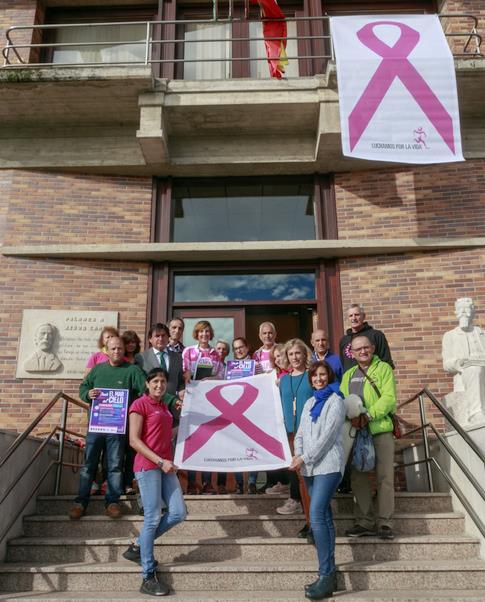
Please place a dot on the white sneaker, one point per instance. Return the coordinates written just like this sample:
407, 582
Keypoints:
290, 507
278, 489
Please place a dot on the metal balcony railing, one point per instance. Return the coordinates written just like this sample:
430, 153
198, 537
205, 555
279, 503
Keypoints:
166, 43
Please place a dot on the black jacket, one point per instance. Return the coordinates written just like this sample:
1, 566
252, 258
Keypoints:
377, 338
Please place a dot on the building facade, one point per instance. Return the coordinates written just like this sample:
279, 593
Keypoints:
193, 185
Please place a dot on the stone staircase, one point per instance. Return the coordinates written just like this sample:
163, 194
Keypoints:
237, 548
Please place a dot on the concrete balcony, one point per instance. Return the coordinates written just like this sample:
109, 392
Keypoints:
115, 119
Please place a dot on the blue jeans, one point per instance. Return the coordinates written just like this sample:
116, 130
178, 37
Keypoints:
157, 487
321, 489
115, 447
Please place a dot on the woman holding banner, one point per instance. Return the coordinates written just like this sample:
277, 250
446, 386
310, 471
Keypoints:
151, 438
320, 459
201, 361
295, 389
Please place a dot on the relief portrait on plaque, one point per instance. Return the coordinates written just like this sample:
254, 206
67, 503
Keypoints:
56, 343
43, 358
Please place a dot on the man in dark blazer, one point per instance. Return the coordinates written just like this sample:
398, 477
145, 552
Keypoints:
158, 356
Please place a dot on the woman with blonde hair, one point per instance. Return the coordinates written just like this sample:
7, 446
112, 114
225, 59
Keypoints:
295, 390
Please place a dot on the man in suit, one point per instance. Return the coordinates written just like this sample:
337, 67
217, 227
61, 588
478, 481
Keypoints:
158, 356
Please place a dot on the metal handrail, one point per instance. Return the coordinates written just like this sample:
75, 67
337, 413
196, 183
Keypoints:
429, 460
61, 430
150, 42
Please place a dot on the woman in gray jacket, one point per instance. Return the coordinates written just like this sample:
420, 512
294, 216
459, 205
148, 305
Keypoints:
319, 458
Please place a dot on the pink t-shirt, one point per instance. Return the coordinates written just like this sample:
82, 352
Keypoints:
156, 431
194, 356
262, 357
99, 357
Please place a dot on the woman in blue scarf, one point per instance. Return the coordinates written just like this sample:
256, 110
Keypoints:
320, 459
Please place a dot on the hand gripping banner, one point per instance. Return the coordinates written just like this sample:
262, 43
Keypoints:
232, 426
397, 89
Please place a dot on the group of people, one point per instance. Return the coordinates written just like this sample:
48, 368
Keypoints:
313, 387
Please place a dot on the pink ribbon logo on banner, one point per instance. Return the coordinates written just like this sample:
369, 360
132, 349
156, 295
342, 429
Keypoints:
232, 414
395, 64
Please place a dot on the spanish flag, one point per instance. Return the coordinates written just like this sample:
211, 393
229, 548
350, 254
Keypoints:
276, 30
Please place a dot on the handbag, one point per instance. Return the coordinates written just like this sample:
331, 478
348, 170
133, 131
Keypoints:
396, 425
363, 452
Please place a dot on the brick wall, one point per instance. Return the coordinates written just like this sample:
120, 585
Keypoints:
63, 208
411, 298
430, 201
43, 208
59, 284
462, 24
18, 12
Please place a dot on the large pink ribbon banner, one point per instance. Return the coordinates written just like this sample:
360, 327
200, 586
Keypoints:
397, 89
232, 426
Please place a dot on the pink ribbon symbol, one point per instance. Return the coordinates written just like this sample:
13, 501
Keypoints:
395, 64
232, 414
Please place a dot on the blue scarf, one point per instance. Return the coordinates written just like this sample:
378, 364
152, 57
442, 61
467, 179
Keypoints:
321, 397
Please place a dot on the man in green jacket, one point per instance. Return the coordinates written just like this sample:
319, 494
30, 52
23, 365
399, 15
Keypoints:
113, 374
373, 381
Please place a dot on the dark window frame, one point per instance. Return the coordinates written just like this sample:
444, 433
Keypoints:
164, 211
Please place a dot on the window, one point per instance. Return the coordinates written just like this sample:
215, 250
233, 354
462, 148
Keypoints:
101, 35
271, 287
243, 210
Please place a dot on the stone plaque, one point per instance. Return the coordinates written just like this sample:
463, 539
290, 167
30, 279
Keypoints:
57, 343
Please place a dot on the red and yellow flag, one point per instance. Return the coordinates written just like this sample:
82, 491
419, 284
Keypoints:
275, 47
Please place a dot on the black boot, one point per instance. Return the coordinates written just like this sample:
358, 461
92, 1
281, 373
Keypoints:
323, 588
152, 586
333, 582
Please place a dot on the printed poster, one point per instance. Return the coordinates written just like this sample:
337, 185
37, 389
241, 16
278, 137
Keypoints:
240, 369
109, 411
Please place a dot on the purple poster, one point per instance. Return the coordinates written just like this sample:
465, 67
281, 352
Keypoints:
109, 411
236, 369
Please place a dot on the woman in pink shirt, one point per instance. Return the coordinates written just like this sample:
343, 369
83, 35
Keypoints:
100, 357
201, 361
151, 438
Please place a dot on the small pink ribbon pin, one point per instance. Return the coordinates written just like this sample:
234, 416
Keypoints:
395, 64
231, 414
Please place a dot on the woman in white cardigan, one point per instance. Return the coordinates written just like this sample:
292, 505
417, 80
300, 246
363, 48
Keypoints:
320, 459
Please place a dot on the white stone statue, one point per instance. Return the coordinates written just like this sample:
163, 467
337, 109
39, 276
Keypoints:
464, 357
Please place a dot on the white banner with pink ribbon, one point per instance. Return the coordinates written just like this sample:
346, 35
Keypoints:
397, 89
232, 426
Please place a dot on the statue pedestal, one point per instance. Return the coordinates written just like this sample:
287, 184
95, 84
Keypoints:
458, 406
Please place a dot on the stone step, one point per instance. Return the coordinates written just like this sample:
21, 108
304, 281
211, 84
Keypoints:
249, 549
260, 596
243, 525
240, 576
250, 504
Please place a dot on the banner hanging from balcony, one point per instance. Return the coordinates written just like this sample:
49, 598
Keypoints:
232, 426
397, 89
274, 34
